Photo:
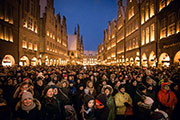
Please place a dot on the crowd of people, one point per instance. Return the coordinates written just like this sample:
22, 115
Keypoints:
89, 93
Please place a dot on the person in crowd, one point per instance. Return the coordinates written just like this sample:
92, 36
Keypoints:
167, 99
108, 90
88, 111
102, 110
116, 87
38, 88
142, 106
145, 86
122, 101
4, 108
28, 108
90, 89
64, 92
51, 108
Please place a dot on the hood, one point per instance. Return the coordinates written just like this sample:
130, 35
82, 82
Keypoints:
107, 87
67, 83
162, 85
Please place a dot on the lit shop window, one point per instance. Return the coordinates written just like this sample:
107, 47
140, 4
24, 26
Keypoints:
24, 44
35, 47
152, 32
30, 46
147, 35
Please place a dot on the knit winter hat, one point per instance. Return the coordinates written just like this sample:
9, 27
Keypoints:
27, 95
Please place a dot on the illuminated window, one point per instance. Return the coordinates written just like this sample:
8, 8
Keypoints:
1, 32
171, 29
151, 8
143, 37
47, 48
147, 11
25, 22
152, 32
32, 8
178, 27
142, 15
131, 12
168, 1
35, 47
162, 4
24, 44
163, 24
47, 33
6, 33
29, 25
11, 35
171, 23
35, 27
147, 35
1, 12
30, 46
163, 33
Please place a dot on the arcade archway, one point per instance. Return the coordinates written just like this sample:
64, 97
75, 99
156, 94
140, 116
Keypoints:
177, 58
8, 60
144, 60
24, 61
34, 61
131, 61
152, 59
137, 61
164, 60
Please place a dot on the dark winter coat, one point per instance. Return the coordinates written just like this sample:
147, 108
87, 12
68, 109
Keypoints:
34, 114
52, 109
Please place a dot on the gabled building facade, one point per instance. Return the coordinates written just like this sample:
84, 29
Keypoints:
147, 34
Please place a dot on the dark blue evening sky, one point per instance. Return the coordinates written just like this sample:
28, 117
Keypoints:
91, 15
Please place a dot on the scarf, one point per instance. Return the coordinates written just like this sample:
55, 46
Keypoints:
28, 108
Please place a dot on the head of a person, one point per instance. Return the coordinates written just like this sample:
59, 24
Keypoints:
142, 88
90, 84
118, 83
39, 82
134, 82
89, 101
49, 91
122, 88
165, 86
27, 99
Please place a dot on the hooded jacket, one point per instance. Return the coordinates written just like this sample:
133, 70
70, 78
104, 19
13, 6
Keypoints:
167, 98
